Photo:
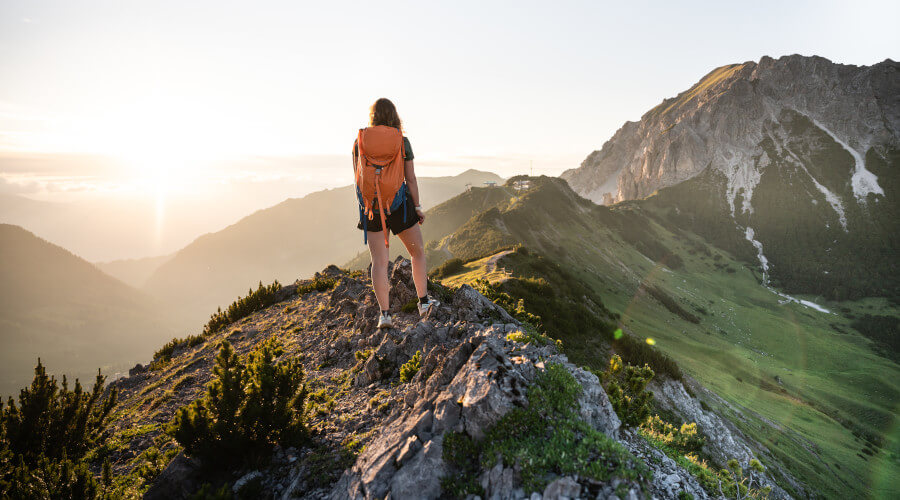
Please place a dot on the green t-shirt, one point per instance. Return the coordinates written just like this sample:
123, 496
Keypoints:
407, 150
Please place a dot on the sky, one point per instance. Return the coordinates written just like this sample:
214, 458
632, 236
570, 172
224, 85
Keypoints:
171, 98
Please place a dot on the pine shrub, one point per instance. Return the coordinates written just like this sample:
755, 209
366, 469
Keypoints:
45, 436
683, 439
246, 409
409, 369
625, 385
317, 284
263, 297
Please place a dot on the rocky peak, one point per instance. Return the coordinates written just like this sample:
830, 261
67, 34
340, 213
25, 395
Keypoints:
720, 122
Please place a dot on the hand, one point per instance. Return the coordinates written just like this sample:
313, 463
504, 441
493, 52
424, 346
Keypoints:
421, 215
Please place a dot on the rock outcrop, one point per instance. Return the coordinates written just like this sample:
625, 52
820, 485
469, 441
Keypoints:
720, 122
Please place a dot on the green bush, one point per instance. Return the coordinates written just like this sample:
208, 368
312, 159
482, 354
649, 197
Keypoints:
246, 409
164, 354
625, 386
409, 369
637, 352
410, 307
739, 483
547, 438
263, 297
45, 436
684, 439
317, 284
515, 307
530, 334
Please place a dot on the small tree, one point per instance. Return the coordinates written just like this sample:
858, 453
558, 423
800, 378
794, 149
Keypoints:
44, 437
246, 409
625, 385
411, 367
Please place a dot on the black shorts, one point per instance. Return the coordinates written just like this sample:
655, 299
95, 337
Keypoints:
394, 221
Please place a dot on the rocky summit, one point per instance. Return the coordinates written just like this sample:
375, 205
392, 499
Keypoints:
722, 121
387, 409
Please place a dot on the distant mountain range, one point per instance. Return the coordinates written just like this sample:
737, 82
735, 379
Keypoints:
284, 242
59, 307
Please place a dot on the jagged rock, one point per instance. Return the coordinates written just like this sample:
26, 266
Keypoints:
475, 386
137, 369
246, 478
721, 443
178, 480
472, 304
563, 488
596, 408
499, 483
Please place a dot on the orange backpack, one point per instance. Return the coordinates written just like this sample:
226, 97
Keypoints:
380, 175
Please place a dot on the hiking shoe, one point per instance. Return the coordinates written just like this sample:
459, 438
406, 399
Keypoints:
428, 306
385, 321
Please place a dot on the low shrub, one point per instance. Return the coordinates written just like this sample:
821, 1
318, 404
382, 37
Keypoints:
637, 352
684, 439
246, 409
530, 334
409, 369
625, 385
263, 297
317, 284
46, 435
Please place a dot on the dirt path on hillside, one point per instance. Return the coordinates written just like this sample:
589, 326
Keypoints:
491, 263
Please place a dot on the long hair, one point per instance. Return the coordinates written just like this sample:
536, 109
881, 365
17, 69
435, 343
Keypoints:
383, 112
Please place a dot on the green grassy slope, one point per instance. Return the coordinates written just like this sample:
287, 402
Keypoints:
827, 399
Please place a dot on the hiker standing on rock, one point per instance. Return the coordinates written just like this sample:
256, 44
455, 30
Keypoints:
388, 195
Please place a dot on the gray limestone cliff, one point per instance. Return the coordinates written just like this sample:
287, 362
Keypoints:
721, 121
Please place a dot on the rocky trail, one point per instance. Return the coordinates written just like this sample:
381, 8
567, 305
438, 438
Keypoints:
373, 436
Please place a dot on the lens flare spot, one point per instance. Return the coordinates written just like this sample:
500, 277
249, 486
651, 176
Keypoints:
617, 334
651, 341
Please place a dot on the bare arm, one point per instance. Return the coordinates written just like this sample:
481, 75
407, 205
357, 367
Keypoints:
413, 185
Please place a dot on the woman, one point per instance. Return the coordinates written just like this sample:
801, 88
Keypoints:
403, 222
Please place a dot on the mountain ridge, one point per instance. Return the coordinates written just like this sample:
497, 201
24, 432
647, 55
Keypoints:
775, 81
62, 308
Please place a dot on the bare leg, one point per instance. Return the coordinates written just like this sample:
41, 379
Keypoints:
412, 240
379, 269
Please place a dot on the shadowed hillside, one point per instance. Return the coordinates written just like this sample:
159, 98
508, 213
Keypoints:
61, 308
